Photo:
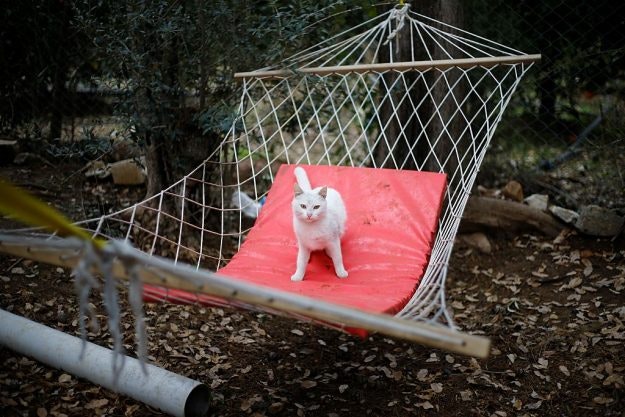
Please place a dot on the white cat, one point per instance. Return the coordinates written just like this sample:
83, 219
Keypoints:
319, 222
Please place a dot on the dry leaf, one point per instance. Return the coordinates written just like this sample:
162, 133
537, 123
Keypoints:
247, 403
91, 405
65, 378
602, 400
575, 282
131, 409
422, 374
425, 405
564, 370
306, 384
42, 412
297, 332
433, 358
343, 387
437, 387
614, 379
387, 372
466, 395
275, 408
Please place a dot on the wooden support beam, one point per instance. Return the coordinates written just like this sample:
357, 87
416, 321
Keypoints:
162, 272
396, 66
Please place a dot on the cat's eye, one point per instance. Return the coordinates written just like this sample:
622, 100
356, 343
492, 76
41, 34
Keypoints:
303, 206
316, 207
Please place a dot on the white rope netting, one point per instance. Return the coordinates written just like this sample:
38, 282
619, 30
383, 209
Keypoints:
400, 91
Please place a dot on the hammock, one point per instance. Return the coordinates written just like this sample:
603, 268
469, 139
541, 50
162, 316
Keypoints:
393, 216
401, 91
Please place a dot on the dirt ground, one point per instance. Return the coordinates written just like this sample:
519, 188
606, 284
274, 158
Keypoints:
554, 310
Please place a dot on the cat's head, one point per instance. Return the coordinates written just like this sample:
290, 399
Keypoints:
309, 206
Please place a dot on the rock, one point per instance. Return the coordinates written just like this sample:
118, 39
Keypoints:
598, 221
127, 172
476, 240
513, 190
96, 169
538, 201
566, 215
123, 148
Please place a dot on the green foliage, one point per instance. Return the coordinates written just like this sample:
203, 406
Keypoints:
173, 60
175, 55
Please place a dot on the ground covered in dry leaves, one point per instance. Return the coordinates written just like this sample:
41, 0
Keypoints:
554, 310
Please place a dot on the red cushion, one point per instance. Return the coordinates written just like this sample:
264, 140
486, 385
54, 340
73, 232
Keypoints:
392, 219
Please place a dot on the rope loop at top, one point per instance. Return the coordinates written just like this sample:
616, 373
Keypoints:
400, 16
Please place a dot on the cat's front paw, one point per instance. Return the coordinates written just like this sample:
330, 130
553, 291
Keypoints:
342, 273
297, 277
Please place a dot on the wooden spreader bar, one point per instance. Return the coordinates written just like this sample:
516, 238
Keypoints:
162, 272
442, 64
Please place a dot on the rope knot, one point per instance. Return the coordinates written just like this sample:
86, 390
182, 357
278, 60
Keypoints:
400, 16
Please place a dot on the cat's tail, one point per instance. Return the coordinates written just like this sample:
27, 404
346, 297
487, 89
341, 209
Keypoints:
302, 179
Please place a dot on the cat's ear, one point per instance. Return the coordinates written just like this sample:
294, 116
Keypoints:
298, 190
323, 192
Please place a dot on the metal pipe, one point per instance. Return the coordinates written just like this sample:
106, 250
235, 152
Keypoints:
171, 393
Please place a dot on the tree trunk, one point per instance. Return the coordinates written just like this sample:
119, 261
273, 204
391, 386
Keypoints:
57, 103
398, 127
59, 72
548, 97
428, 140
163, 107
445, 121
156, 165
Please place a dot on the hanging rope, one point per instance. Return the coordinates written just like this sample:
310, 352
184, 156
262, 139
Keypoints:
399, 15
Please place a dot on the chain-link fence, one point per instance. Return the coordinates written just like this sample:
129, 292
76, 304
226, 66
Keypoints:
563, 133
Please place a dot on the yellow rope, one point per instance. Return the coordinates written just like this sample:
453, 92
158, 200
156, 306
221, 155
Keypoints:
28, 209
